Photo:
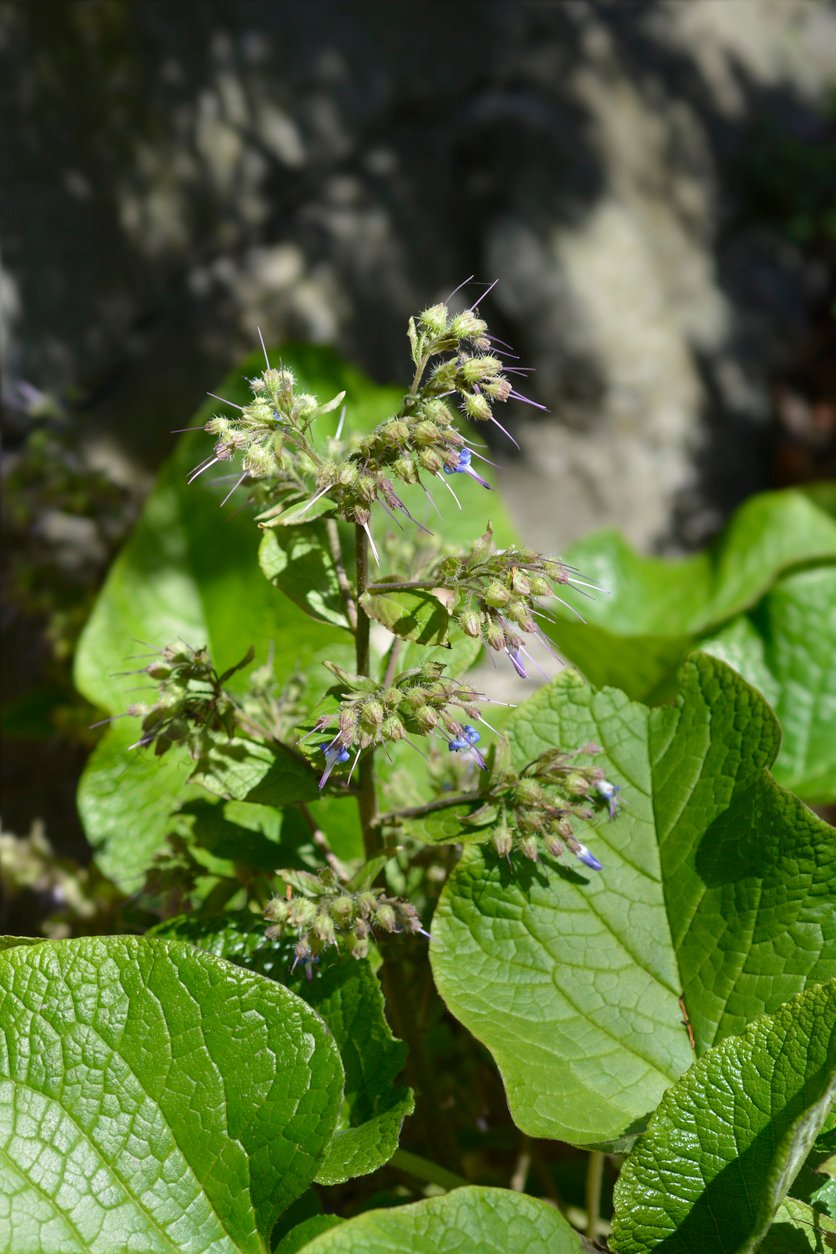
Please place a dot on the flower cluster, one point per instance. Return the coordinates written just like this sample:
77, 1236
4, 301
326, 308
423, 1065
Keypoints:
191, 705
418, 702
271, 434
323, 911
498, 595
535, 808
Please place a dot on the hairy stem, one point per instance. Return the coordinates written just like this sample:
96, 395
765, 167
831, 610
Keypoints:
366, 788
407, 585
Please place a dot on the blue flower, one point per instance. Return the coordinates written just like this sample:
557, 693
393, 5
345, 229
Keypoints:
334, 754
610, 794
464, 468
587, 858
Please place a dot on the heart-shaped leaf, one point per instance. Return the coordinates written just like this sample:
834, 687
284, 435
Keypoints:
348, 997
492, 1221
154, 1097
573, 980
728, 1139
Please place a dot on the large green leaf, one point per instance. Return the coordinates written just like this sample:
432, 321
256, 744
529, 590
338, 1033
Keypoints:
492, 1221
716, 884
786, 647
348, 996
154, 1098
658, 610
728, 1139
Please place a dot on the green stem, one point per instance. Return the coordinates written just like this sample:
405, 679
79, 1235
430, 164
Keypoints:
408, 585
423, 1169
366, 788
594, 1179
417, 812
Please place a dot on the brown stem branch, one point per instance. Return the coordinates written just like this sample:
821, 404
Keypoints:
342, 577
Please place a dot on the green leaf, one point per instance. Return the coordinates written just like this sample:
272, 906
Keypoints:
411, 615
245, 770
716, 884
728, 1139
154, 1098
650, 596
492, 1221
797, 1229
298, 561
11, 942
785, 647
260, 837
347, 996
298, 1238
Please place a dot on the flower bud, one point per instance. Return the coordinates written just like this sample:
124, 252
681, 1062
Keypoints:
158, 670
425, 433
554, 847
393, 728
324, 929
342, 908
503, 842
367, 488
302, 912
346, 476
520, 582
392, 697
404, 469
430, 460
529, 793
539, 587
385, 917
496, 594
277, 910
471, 623
467, 325
528, 847
426, 718
475, 406
475, 369
395, 433
434, 319
358, 946
498, 389
495, 635
371, 713
258, 462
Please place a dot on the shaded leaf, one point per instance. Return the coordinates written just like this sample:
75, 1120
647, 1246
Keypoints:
348, 997
246, 770
411, 615
298, 561
728, 1139
786, 647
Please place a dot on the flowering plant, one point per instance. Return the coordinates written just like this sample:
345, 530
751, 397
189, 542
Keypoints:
324, 827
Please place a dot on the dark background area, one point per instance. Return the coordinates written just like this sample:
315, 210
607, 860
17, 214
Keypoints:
652, 184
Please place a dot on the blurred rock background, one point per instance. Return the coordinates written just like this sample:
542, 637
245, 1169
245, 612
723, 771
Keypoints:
653, 183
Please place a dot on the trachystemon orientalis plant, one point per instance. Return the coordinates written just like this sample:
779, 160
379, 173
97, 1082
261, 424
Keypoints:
301, 467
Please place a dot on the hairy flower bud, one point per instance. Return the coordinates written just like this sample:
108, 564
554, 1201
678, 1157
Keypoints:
470, 622
475, 406
496, 594
434, 319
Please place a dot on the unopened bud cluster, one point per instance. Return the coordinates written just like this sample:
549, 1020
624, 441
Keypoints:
533, 811
418, 702
321, 912
191, 705
499, 594
469, 370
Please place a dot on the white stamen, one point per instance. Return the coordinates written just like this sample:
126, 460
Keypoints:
452, 493
367, 530
313, 500
340, 423
215, 397
195, 474
264, 347
232, 489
